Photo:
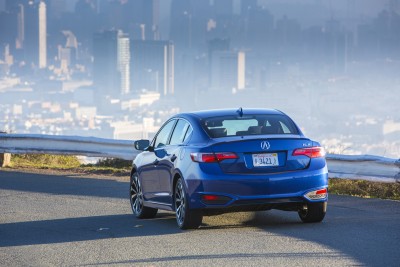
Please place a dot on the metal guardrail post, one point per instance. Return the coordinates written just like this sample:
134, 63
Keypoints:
5, 158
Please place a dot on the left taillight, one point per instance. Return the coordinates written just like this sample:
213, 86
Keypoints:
212, 157
311, 152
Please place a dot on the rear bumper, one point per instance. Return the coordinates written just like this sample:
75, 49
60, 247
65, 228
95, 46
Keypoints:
256, 192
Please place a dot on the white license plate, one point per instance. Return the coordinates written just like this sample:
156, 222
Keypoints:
262, 160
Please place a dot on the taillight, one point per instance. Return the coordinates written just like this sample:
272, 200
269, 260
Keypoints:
212, 157
311, 152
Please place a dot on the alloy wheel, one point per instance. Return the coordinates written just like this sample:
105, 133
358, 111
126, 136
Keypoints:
136, 196
180, 203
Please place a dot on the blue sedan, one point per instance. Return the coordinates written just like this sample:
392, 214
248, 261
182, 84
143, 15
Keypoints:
212, 162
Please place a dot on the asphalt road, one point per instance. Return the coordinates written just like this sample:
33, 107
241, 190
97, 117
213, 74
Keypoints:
73, 220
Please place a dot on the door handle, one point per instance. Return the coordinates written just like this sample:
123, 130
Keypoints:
173, 157
155, 162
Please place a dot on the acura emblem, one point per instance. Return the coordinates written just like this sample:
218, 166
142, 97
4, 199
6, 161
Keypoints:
265, 145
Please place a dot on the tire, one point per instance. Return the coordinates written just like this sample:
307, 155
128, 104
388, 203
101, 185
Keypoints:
136, 199
315, 212
185, 218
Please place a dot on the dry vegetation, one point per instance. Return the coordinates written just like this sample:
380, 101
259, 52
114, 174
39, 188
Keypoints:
70, 163
363, 188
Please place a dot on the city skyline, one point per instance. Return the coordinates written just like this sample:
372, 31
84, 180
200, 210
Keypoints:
112, 67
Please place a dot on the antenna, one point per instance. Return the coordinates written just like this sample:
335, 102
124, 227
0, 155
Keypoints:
240, 111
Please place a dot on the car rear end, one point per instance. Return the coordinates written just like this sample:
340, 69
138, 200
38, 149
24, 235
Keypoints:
247, 165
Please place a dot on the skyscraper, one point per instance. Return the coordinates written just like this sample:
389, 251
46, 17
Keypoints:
111, 68
124, 58
42, 36
20, 27
35, 31
105, 65
152, 65
181, 25
215, 45
228, 70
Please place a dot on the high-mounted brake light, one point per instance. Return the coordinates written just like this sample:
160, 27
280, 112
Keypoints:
212, 157
311, 152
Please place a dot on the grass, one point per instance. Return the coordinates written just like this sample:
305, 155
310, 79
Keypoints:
44, 161
366, 189
66, 162
359, 188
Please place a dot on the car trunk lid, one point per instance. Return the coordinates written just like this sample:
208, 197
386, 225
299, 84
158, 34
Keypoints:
262, 155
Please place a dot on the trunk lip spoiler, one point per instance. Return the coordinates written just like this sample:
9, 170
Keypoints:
215, 141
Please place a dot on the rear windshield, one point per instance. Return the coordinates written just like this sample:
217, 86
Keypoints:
249, 125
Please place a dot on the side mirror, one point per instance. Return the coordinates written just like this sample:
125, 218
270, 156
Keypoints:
141, 144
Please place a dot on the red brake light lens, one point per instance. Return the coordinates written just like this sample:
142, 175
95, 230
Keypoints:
212, 157
210, 197
311, 152
321, 192
225, 155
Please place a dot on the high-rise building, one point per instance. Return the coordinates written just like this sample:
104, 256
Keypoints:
152, 65
42, 36
124, 58
35, 31
105, 64
111, 68
19, 43
8, 27
151, 16
181, 29
228, 70
258, 29
216, 45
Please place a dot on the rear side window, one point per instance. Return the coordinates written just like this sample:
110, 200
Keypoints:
180, 132
249, 125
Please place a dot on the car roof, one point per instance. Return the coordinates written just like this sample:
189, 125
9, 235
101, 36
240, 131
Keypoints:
226, 112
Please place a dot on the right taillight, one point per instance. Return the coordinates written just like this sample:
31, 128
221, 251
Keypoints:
311, 152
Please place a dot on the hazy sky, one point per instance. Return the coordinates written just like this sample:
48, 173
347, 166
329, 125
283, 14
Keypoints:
300, 9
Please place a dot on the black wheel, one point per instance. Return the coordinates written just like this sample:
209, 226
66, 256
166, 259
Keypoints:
136, 197
186, 218
313, 212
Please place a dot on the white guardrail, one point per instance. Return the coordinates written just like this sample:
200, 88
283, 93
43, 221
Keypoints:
365, 167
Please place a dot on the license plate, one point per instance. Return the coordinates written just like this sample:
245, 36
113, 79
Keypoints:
262, 160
